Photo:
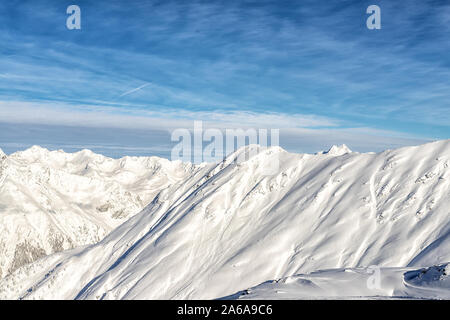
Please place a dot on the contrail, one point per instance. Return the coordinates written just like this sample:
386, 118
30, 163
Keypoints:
134, 90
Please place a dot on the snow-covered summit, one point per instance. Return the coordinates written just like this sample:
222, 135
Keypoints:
338, 150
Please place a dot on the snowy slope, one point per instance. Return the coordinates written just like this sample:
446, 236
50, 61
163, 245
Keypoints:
229, 227
52, 201
350, 283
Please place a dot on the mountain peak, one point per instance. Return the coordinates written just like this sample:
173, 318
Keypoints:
336, 150
36, 149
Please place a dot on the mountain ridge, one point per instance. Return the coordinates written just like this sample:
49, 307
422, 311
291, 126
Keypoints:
231, 226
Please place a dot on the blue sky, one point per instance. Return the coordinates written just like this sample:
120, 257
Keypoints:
138, 69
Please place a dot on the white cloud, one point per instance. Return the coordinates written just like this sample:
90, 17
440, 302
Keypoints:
54, 113
298, 133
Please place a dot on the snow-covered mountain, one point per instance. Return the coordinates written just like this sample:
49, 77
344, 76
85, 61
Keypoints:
338, 150
54, 201
229, 227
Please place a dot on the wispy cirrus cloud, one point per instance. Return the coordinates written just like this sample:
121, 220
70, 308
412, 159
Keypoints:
135, 117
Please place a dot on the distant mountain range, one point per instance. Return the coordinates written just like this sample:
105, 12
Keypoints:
54, 201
